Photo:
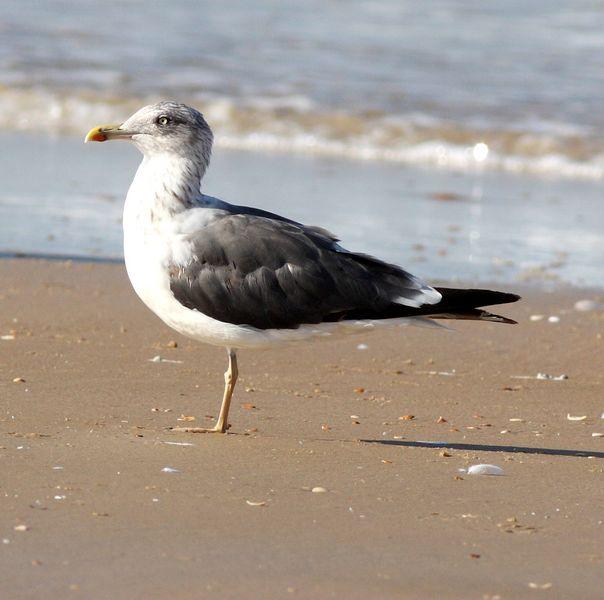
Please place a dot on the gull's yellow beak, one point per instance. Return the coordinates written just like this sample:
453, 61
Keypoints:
103, 133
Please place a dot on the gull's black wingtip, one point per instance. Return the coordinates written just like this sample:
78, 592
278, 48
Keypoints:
467, 303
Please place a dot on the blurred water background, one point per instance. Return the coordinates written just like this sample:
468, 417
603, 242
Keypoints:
466, 136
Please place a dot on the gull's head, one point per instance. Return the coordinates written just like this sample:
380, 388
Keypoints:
162, 128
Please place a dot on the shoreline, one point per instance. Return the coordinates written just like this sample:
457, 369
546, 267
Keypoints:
85, 439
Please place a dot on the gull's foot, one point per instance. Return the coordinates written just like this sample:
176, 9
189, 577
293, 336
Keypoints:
214, 429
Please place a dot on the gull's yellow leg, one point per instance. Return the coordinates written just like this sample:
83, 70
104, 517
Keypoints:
230, 379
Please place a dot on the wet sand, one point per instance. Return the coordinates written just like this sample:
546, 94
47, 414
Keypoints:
88, 512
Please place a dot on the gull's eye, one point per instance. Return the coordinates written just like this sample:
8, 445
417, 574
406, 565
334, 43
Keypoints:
163, 120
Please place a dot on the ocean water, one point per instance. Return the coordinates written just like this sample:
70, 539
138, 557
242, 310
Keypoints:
60, 197
459, 84
461, 139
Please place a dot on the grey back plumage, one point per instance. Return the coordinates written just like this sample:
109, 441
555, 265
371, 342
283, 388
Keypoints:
254, 268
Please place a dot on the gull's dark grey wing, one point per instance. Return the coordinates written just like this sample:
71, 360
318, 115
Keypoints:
252, 268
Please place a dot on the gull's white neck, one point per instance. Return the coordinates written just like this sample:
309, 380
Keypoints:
164, 189
165, 184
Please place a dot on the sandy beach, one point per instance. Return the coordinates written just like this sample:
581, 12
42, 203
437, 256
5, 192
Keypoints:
99, 499
416, 133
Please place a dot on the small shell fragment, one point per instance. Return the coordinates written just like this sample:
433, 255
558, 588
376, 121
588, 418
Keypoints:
549, 377
251, 503
179, 443
160, 359
21, 528
170, 470
485, 470
597, 435
576, 418
542, 377
318, 490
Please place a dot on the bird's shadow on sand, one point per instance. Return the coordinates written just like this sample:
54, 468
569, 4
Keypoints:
488, 448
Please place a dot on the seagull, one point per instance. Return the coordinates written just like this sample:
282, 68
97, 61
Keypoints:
241, 277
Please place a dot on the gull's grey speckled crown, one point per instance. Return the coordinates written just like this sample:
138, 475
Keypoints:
171, 127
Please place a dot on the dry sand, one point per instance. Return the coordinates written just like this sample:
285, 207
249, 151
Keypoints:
88, 512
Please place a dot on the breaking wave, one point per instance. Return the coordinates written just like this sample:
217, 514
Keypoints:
296, 124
